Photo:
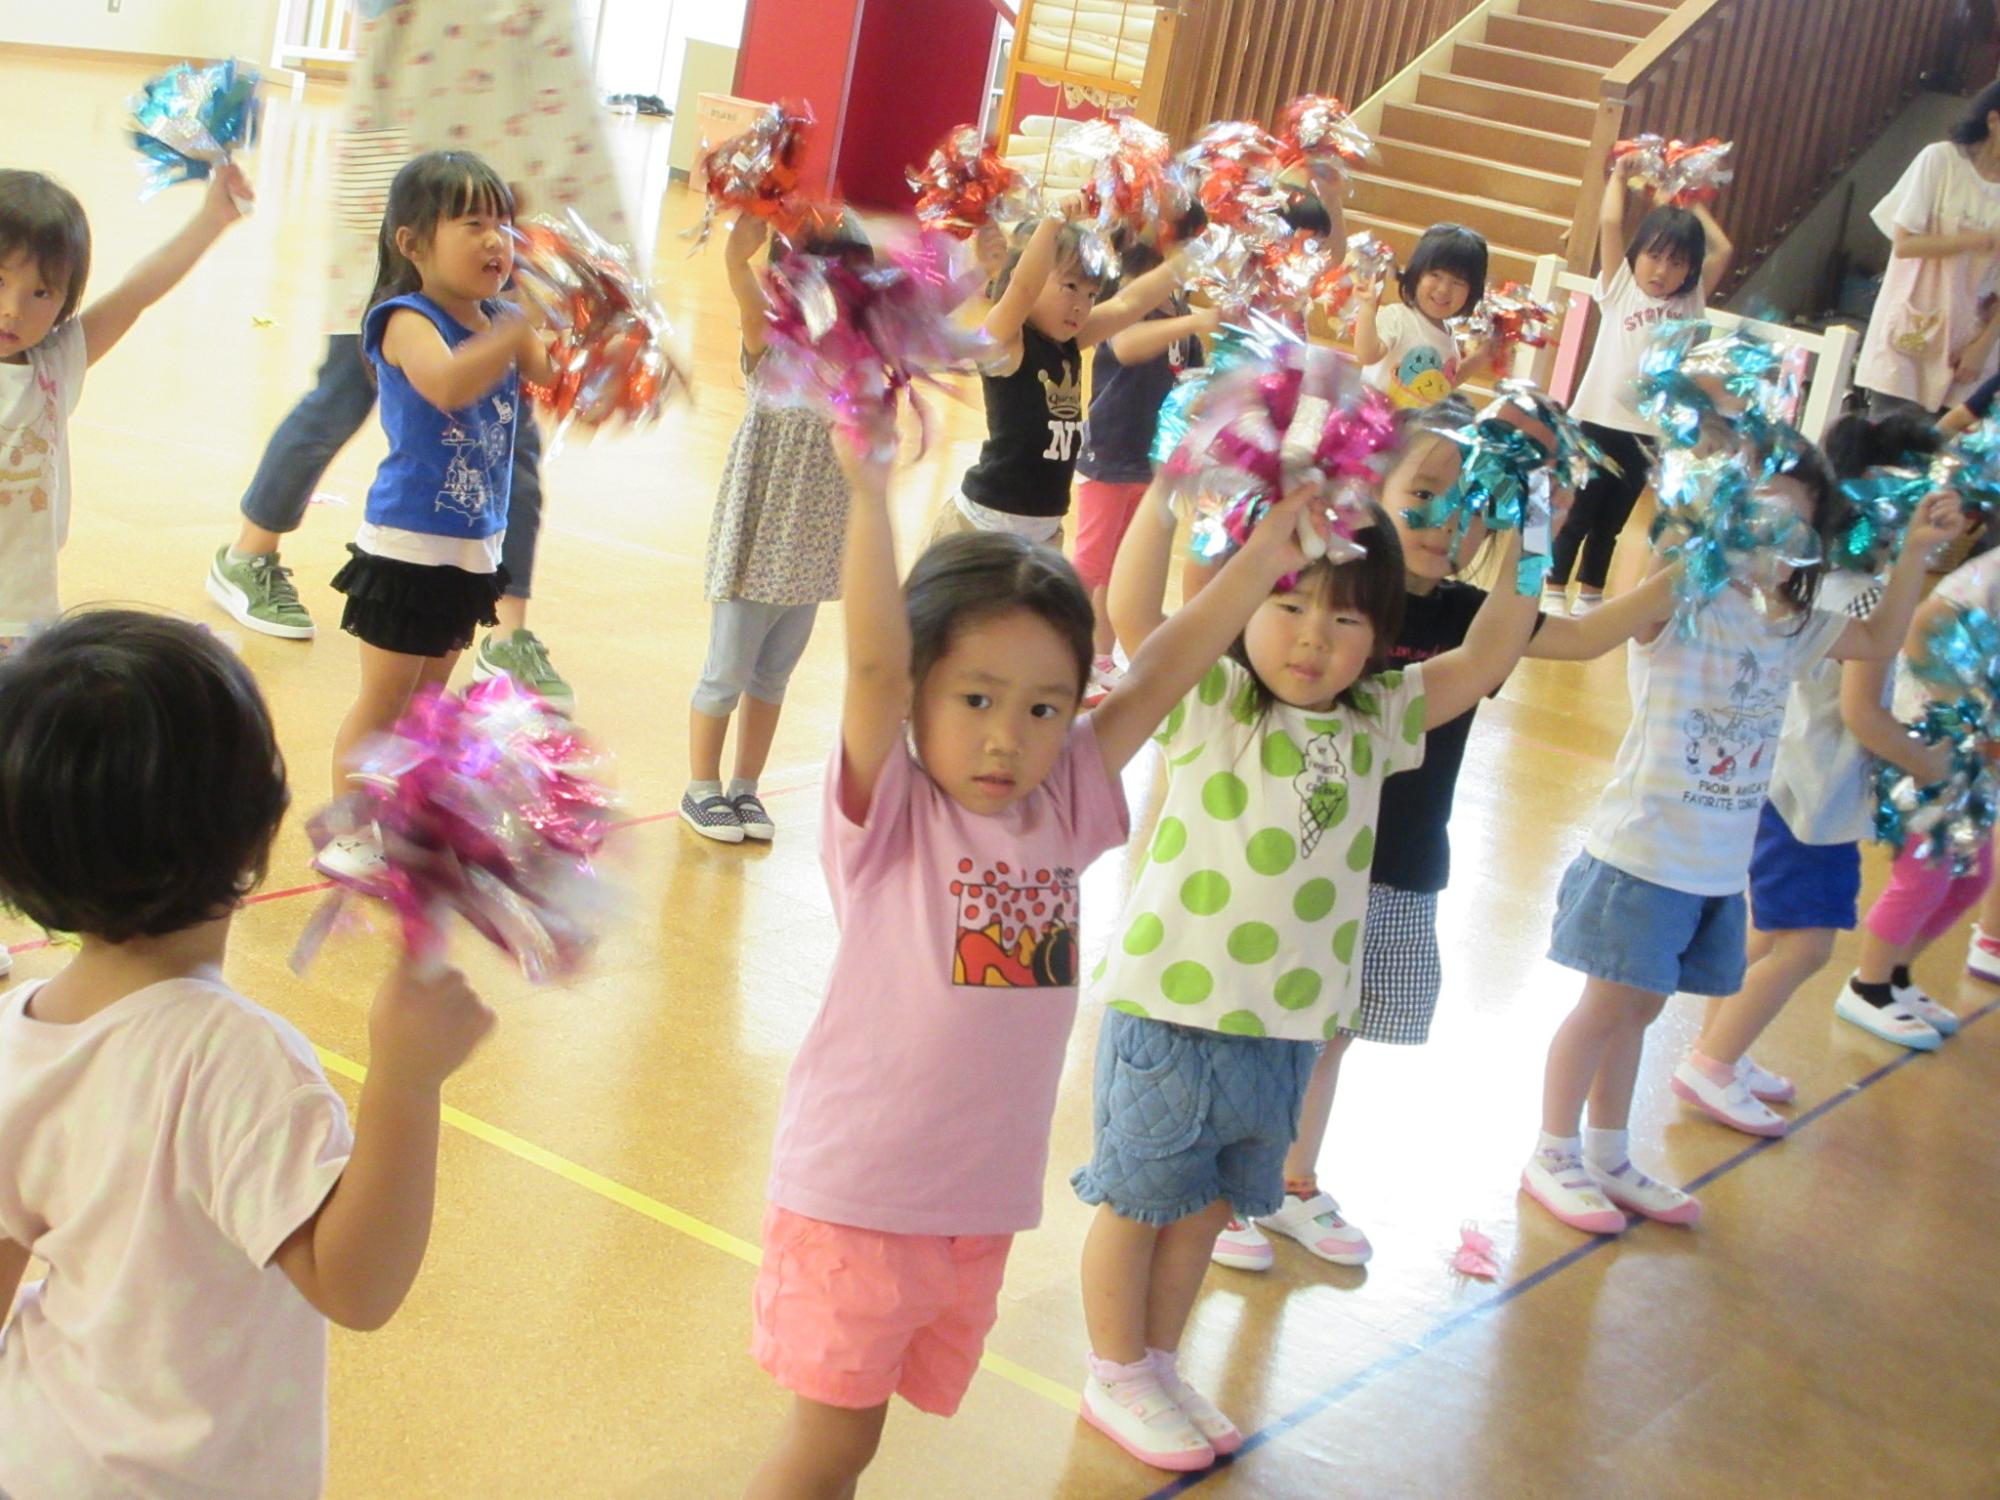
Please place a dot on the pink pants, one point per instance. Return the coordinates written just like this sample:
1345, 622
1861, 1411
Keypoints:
1922, 899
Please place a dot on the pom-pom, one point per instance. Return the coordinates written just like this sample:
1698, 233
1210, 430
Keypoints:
756, 172
487, 805
1318, 130
1678, 172
1881, 501
612, 351
1369, 263
1958, 660
1137, 194
190, 120
967, 185
1507, 317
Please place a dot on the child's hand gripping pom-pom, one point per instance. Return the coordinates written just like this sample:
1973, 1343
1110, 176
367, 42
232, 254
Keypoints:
755, 172
1881, 501
1369, 263
1272, 417
1951, 818
612, 352
967, 185
1507, 318
853, 340
190, 121
1680, 173
487, 805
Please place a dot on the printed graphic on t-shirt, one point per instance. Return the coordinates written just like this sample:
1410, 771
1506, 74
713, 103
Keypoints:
1421, 372
1730, 745
1015, 929
1065, 402
1322, 789
1650, 315
477, 452
26, 452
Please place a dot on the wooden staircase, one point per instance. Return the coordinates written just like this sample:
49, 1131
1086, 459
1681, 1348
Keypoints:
1500, 141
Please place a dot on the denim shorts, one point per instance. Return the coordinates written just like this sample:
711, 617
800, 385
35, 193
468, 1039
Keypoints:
1795, 885
1617, 927
1184, 1117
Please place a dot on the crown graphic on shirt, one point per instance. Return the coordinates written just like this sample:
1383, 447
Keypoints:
1065, 396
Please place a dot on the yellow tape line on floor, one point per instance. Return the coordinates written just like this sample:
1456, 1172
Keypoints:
662, 1213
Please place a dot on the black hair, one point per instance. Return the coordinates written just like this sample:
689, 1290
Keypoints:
978, 575
1373, 583
1305, 210
1971, 131
1069, 257
40, 215
1670, 231
436, 186
1857, 443
1454, 250
140, 780
1829, 513
836, 234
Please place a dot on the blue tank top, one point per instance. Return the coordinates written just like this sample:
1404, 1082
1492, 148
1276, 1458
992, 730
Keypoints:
447, 473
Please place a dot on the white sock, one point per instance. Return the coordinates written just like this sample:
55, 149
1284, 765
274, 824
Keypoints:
741, 787
1166, 1361
1559, 1146
236, 556
700, 790
1607, 1150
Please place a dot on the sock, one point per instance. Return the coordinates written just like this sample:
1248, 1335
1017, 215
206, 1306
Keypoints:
1877, 995
239, 557
1166, 1361
1719, 1074
740, 786
1559, 1147
1899, 977
1113, 1373
1607, 1150
701, 791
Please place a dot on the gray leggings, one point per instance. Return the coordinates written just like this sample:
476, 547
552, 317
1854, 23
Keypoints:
752, 648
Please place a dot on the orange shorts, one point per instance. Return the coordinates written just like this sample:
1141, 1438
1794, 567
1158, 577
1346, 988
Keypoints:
850, 1317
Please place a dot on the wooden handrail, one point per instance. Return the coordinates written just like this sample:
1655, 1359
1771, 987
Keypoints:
1643, 60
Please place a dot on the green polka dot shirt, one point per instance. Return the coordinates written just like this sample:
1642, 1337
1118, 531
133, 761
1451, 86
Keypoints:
1247, 914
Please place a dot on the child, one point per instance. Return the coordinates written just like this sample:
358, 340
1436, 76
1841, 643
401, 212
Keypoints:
48, 338
1408, 353
1043, 317
1667, 271
1238, 950
773, 557
965, 799
1131, 375
1654, 903
1400, 971
425, 570
1805, 871
170, 1150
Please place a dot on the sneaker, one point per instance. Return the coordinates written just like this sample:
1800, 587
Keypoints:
520, 654
1140, 1417
1316, 1223
354, 859
258, 594
1772, 1088
756, 821
1105, 674
1555, 601
1982, 958
1917, 1003
1242, 1246
1734, 1105
1637, 1193
1586, 601
1891, 1022
1220, 1433
1565, 1189
712, 817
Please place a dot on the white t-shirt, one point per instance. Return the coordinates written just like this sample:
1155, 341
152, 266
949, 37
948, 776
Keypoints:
1821, 785
155, 1156
1419, 365
1928, 310
36, 398
1971, 585
1681, 807
1247, 915
1626, 321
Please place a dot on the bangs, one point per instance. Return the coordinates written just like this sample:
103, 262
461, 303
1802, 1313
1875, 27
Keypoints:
478, 189
42, 218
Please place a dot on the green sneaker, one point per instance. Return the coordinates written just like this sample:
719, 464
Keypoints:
259, 595
520, 654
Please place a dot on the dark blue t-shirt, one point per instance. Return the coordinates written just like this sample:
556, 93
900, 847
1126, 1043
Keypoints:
1125, 407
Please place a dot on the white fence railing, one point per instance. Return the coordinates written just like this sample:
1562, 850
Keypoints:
311, 31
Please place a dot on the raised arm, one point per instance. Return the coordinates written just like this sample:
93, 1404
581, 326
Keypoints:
1458, 679
1938, 519
1369, 345
1135, 600
1635, 613
877, 702
451, 378
1009, 312
746, 236
1717, 255
1878, 731
1611, 214
110, 317
1132, 302
1153, 337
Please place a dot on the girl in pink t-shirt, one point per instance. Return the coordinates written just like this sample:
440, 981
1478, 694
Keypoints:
965, 798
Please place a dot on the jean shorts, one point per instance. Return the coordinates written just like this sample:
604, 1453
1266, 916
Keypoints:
1184, 1117
1795, 885
1617, 927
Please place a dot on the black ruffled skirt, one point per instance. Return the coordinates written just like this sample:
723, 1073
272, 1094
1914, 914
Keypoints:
415, 609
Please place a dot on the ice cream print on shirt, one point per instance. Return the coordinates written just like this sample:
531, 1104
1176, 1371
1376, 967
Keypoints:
1322, 789
1065, 401
1016, 929
478, 451
1730, 746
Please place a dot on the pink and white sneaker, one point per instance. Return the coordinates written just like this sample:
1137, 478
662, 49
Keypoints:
1139, 1416
1221, 1434
1316, 1223
1631, 1189
1732, 1104
1982, 958
1243, 1247
1562, 1186
1772, 1088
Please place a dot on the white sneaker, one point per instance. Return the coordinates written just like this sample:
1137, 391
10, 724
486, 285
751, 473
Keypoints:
1632, 1189
1105, 674
1222, 1434
1316, 1223
1772, 1088
1585, 603
1140, 1417
1555, 601
1733, 1105
354, 859
1982, 957
1891, 1022
1242, 1247
1565, 1189
1912, 998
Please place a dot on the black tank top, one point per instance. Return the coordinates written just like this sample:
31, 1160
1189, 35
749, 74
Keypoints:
1034, 426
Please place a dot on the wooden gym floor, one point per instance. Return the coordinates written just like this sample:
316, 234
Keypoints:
580, 1328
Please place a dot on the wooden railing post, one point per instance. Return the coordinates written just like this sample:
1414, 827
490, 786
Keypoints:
1581, 247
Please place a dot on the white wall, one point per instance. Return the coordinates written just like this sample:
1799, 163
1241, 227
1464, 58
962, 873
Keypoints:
645, 41
169, 28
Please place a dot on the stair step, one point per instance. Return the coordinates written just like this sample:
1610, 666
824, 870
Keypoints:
1503, 262
1477, 135
1511, 106
1622, 16
1500, 222
1523, 70
1493, 176
1539, 38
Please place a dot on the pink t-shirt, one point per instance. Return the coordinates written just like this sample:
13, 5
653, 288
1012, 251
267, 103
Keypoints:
920, 1101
